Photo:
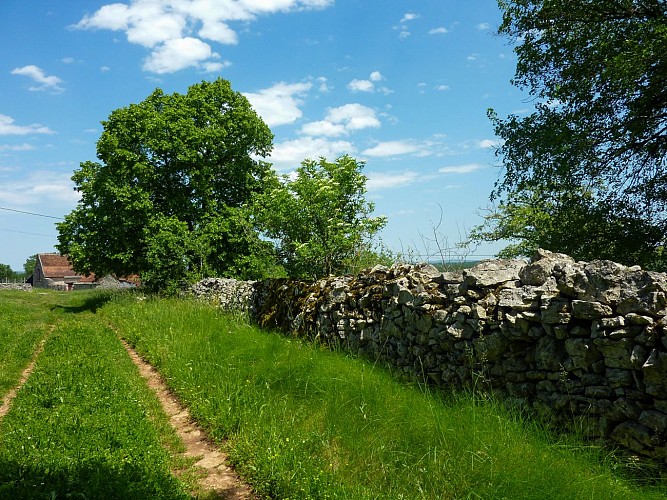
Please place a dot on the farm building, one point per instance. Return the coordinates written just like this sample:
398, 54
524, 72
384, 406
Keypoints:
55, 271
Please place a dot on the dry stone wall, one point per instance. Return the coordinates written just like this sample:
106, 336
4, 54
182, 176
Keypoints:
583, 344
26, 287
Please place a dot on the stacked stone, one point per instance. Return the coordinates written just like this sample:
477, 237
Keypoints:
228, 294
25, 287
582, 343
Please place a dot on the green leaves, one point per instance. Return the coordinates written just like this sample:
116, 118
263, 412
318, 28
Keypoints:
598, 71
319, 219
168, 166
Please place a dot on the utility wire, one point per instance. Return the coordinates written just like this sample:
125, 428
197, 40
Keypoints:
25, 232
30, 213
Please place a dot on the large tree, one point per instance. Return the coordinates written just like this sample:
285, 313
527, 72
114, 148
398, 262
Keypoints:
597, 140
319, 218
167, 197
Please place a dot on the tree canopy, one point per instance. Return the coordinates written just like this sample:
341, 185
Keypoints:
591, 158
168, 196
319, 218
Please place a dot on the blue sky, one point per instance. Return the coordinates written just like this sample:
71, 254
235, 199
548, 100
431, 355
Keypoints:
401, 85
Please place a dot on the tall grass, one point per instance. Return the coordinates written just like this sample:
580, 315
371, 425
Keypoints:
85, 425
303, 422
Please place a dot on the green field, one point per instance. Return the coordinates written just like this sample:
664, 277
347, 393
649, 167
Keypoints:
298, 421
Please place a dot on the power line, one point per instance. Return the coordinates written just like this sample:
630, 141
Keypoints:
30, 213
25, 232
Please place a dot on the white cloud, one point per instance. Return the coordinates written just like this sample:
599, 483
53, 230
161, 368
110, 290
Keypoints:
16, 147
219, 32
178, 53
38, 75
342, 120
113, 17
40, 185
392, 148
214, 67
438, 31
442, 88
104, 69
409, 16
387, 180
483, 26
404, 32
488, 143
461, 169
279, 105
323, 84
353, 116
323, 128
368, 85
289, 154
161, 28
157, 23
376, 76
361, 86
7, 127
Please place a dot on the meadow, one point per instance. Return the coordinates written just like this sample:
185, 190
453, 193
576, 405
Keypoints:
297, 420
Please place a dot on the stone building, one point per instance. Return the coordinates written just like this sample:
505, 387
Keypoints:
55, 271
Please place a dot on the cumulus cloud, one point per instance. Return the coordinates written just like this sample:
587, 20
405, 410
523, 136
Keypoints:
323, 128
167, 25
461, 169
409, 16
16, 147
388, 180
483, 26
404, 32
488, 143
343, 120
179, 53
392, 148
37, 74
289, 154
40, 185
438, 31
279, 105
361, 86
369, 84
7, 127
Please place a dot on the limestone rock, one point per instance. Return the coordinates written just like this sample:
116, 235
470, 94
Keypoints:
493, 272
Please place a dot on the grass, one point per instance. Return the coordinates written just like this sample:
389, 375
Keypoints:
303, 422
85, 425
23, 323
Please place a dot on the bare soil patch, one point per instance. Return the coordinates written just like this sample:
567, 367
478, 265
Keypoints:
214, 473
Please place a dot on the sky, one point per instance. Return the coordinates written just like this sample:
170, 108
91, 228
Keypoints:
403, 86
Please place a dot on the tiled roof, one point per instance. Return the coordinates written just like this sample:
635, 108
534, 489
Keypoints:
59, 266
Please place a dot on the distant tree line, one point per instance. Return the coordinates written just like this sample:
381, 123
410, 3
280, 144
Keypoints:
8, 274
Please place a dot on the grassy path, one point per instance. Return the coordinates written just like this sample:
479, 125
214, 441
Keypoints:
84, 424
298, 421
23, 324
